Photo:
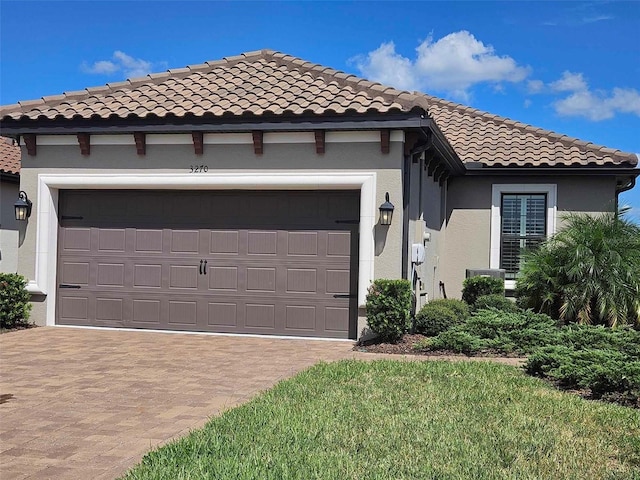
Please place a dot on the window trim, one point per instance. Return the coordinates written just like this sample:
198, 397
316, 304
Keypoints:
497, 190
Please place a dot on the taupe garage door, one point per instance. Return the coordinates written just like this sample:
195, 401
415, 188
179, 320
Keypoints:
237, 262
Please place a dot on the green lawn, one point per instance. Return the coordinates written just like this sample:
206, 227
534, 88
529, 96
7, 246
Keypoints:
420, 420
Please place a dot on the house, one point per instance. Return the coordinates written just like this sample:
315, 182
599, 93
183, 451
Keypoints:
9, 190
244, 196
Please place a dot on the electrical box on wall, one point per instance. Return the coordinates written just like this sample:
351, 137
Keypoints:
417, 253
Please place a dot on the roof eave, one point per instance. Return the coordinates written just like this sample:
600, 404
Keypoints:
400, 120
560, 170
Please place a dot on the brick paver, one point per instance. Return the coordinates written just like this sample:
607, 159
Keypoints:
87, 404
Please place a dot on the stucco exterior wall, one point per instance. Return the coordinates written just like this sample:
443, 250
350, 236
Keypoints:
468, 222
339, 156
426, 216
9, 227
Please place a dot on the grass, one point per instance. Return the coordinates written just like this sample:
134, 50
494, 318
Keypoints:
402, 420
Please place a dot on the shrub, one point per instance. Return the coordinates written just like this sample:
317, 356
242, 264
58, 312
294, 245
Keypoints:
389, 308
497, 301
460, 308
513, 331
14, 301
475, 287
605, 372
589, 272
455, 341
435, 318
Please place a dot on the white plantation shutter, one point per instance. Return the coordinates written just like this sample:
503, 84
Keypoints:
523, 225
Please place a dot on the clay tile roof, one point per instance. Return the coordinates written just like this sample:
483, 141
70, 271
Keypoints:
265, 82
9, 156
496, 141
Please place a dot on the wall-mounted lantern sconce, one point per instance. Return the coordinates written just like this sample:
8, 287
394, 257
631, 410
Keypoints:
386, 211
23, 206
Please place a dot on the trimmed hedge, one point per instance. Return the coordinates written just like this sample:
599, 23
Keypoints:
440, 315
475, 287
389, 308
14, 301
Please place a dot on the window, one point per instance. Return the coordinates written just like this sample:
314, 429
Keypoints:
522, 215
524, 220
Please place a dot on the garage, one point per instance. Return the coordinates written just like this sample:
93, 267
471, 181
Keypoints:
266, 262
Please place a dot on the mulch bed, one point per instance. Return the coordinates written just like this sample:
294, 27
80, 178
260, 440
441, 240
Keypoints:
405, 346
17, 328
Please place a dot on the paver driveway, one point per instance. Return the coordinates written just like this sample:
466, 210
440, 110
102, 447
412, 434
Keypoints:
87, 404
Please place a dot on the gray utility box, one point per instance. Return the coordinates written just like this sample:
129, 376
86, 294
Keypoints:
487, 272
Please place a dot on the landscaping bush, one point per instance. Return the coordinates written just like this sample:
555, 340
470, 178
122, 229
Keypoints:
605, 372
588, 273
460, 308
14, 301
504, 332
497, 301
454, 340
389, 308
475, 287
433, 319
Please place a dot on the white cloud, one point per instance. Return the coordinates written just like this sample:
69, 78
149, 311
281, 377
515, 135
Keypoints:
527, 103
569, 82
582, 101
386, 66
535, 86
452, 64
599, 105
120, 62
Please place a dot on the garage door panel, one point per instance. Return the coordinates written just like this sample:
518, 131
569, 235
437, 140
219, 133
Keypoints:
147, 311
110, 310
111, 240
223, 278
262, 243
75, 273
73, 309
336, 319
76, 240
221, 314
274, 262
182, 312
148, 241
183, 276
147, 276
302, 243
110, 274
261, 279
224, 242
185, 241
300, 317
302, 280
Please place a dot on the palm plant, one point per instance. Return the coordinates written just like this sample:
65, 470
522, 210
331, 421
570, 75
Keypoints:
589, 272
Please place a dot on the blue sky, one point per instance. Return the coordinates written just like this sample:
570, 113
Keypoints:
572, 67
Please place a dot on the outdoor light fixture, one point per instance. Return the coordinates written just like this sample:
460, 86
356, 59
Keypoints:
386, 211
23, 206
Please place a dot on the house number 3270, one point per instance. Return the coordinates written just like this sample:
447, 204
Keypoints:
199, 168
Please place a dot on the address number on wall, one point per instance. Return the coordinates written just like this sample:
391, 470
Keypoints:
198, 168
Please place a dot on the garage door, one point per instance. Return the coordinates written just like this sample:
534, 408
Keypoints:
231, 262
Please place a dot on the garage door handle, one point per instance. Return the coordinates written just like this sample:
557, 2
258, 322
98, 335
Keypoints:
200, 267
66, 285
343, 295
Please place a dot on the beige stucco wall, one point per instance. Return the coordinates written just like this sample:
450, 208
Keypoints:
469, 216
9, 228
231, 158
426, 215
